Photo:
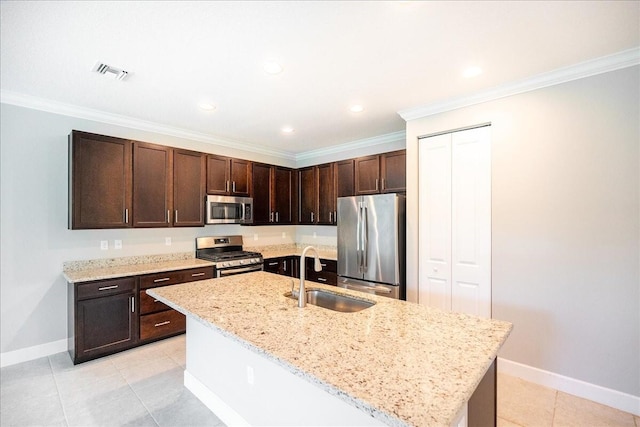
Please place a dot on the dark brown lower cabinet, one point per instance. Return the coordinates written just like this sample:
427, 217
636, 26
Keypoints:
103, 318
328, 275
286, 266
482, 405
108, 316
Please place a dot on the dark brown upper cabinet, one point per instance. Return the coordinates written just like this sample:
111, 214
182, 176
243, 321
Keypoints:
384, 173
100, 181
273, 190
228, 176
152, 167
317, 189
189, 174
345, 182
117, 183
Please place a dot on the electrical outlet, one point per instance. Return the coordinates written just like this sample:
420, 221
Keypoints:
167, 241
104, 245
250, 377
117, 244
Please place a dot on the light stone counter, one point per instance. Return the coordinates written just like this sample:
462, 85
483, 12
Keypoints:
293, 249
404, 363
112, 268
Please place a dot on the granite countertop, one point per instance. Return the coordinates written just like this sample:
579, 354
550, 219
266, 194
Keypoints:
293, 249
405, 363
112, 268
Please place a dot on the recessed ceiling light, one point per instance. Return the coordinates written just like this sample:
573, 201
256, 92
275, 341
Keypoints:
356, 108
287, 129
472, 72
206, 106
272, 67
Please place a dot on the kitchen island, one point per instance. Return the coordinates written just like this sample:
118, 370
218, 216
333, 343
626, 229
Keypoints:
257, 357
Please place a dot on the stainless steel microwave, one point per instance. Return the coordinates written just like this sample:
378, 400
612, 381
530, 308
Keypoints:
229, 210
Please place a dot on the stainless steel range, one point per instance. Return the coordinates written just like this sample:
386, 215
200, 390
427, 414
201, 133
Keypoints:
227, 254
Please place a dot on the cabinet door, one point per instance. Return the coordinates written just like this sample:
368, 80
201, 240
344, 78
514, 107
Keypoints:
99, 181
240, 177
326, 190
393, 170
308, 191
345, 170
272, 265
188, 188
282, 195
105, 325
218, 174
151, 185
367, 175
261, 193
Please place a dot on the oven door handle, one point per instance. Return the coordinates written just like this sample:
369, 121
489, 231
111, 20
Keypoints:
232, 271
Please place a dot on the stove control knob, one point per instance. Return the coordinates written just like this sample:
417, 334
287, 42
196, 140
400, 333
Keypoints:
242, 261
225, 264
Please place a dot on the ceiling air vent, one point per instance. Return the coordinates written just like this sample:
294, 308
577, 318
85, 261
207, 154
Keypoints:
104, 69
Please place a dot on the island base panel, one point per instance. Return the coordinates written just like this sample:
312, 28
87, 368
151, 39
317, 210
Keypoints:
243, 387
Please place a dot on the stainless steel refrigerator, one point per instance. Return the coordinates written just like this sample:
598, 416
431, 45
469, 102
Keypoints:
371, 244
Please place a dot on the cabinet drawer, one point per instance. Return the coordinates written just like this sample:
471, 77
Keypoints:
173, 277
324, 277
329, 265
149, 304
161, 324
105, 287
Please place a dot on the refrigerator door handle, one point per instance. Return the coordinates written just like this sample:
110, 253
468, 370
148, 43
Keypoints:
365, 239
358, 238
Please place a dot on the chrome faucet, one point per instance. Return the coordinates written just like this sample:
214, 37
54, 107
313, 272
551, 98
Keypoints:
302, 295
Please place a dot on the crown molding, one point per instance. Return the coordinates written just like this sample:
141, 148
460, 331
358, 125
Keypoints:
624, 59
36, 103
354, 145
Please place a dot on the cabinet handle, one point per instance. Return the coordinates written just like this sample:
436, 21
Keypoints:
330, 217
164, 279
284, 266
382, 183
311, 216
106, 288
166, 322
226, 186
126, 216
234, 187
155, 300
133, 304
168, 215
197, 274
175, 216
323, 265
376, 184
321, 279
335, 216
271, 217
273, 263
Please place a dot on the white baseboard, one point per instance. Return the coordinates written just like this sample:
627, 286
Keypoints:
30, 353
606, 396
211, 400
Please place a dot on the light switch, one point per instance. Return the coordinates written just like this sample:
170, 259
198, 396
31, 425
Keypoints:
167, 241
117, 244
104, 245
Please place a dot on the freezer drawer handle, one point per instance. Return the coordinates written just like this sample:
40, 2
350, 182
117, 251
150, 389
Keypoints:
379, 289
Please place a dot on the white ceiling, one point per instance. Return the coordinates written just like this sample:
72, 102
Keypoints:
387, 56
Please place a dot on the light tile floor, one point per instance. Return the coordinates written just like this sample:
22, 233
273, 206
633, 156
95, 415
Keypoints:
144, 387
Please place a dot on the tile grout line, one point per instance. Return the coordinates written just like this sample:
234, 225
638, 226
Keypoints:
555, 406
55, 381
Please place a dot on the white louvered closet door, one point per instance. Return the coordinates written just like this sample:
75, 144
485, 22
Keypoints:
455, 221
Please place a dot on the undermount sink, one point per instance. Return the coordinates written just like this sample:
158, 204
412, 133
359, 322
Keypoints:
335, 302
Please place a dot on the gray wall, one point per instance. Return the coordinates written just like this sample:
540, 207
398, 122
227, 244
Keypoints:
33, 222
565, 224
